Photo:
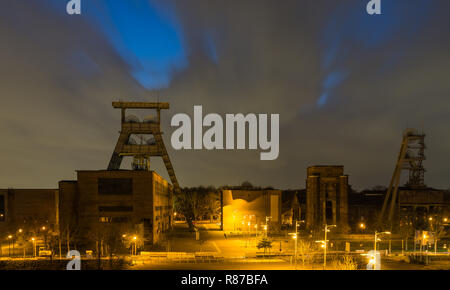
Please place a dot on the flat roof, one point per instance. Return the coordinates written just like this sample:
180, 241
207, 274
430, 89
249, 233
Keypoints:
325, 166
120, 170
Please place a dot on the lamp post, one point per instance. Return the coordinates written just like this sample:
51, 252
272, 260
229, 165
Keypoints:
375, 243
266, 227
34, 246
9, 245
327, 229
23, 240
296, 243
376, 239
44, 229
249, 235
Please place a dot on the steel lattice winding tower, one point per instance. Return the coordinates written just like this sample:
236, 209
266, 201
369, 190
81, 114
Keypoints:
141, 152
411, 157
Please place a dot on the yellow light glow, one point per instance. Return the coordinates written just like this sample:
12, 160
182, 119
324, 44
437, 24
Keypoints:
124, 236
9, 237
43, 228
134, 238
294, 236
362, 225
256, 226
33, 239
430, 218
445, 219
265, 228
323, 246
20, 230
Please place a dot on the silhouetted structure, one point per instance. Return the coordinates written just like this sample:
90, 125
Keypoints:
410, 158
151, 143
247, 210
137, 202
326, 197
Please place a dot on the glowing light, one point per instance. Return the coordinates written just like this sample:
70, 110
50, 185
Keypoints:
430, 218
43, 228
362, 225
9, 237
372, 260
20, 230
445, 219
135, 238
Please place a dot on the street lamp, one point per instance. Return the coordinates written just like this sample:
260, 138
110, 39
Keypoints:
266, 227
20, 232
376, 239
9, 245
327, 229
295, 237
375, 246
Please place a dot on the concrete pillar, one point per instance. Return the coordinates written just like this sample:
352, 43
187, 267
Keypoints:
312, 199
343, 218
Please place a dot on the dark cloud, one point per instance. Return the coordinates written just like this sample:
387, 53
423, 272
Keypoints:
58, 78
376, 77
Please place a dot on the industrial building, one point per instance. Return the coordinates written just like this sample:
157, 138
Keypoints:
139, 203
97, 207
28, 209
101, 209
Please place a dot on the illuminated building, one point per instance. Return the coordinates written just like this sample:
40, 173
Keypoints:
243, 209
132, 201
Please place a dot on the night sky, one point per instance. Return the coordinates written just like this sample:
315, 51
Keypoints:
346, 84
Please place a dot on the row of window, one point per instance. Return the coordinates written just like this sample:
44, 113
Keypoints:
115, 208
